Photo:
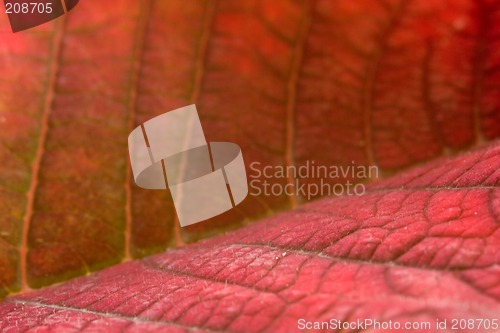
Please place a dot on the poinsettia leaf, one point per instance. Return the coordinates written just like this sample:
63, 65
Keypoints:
382, 83
422, 247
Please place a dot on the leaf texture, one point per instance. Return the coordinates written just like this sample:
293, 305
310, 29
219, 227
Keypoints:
385, 83
422, 246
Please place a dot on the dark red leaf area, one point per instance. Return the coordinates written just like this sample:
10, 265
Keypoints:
422, 246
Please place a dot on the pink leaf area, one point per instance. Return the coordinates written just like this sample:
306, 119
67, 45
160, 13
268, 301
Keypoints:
420, 247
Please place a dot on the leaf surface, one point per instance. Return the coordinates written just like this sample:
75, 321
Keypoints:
385, 83
419, 247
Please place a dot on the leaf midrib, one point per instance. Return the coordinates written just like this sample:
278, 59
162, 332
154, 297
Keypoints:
56, 52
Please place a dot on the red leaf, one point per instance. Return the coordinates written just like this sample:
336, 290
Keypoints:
390, 83
419, 247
